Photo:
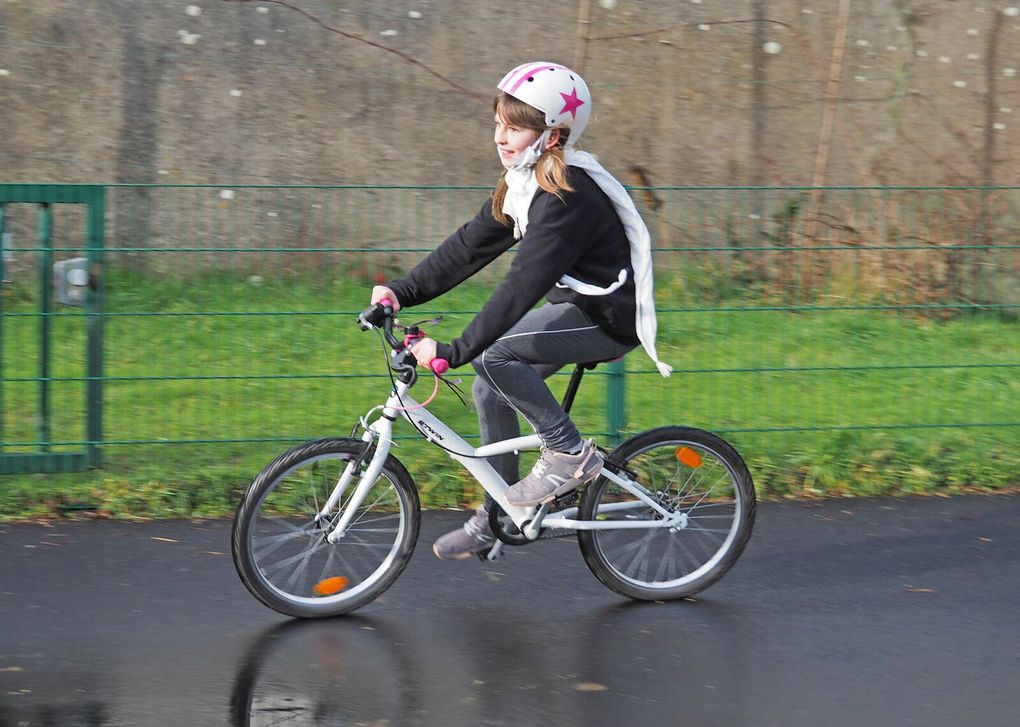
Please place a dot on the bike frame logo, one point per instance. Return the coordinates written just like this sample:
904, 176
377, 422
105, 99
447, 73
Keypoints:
433, 434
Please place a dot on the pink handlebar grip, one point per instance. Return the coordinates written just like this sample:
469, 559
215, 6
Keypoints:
386, 302
440, 365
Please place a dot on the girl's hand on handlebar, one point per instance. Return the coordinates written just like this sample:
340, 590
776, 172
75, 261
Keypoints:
424, 351
381, 292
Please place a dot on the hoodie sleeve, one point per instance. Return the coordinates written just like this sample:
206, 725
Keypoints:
476, 244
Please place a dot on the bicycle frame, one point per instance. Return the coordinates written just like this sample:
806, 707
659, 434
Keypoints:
529, 519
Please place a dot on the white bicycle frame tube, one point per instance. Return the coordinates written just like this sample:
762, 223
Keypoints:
400, 403
566, 518
471, 458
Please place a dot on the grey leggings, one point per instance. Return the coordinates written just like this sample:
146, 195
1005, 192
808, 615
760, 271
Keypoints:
511, 375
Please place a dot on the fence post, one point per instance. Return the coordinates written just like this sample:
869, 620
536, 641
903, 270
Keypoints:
615, 409
45, 237
3, 279
95, 305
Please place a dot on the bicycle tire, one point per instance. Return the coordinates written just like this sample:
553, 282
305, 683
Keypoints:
664, 458
276, 518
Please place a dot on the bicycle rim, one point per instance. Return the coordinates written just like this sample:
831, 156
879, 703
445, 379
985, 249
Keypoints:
695, 474
286, 544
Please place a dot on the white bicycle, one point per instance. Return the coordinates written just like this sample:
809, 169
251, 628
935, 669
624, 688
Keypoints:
328, 526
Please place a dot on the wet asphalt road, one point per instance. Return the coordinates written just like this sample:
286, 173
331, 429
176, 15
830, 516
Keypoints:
879, 612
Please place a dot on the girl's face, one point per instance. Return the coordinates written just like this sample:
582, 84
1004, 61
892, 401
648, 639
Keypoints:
511, 141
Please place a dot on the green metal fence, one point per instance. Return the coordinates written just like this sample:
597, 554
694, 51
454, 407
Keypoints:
875, 327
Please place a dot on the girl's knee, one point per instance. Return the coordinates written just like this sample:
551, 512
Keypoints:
480, 389
502, 353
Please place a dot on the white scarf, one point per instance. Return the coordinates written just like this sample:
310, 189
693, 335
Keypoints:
521, 189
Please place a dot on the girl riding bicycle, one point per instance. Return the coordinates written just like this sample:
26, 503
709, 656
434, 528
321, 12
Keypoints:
581, 244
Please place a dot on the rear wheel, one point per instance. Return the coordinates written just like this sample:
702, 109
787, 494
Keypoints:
691, 473
280, 546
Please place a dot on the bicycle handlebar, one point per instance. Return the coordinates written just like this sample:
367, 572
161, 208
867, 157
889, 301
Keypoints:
382, 314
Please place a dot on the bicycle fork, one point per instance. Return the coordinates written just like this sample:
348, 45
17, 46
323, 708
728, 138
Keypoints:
375, 465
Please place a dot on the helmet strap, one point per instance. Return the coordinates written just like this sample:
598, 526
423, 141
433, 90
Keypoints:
530, 156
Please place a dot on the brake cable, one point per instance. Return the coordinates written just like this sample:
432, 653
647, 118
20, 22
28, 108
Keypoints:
393, 383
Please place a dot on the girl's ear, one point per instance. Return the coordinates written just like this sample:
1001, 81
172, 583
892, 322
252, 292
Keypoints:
554, 138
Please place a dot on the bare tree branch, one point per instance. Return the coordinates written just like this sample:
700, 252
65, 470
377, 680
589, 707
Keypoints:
351, 36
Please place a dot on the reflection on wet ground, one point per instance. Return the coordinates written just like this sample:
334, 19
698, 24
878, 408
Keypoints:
352, 671
605, 669
829, 618
609, 667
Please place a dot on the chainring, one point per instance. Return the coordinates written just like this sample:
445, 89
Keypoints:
505, 529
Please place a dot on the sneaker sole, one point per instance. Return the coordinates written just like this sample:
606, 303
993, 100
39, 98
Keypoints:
459, 556
558, 492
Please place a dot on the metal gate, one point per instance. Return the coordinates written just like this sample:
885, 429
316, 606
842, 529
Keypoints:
38, 399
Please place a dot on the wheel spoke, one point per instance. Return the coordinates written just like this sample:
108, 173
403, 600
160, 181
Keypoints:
365, 510
325, 568
300, 571
638, 561
348, 568
373, 530
680, 490
275, 541
729, 503
667, 566
280, 564
624, 549
391, 516
681, 544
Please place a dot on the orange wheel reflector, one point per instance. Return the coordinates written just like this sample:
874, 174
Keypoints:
330, 586
688, 457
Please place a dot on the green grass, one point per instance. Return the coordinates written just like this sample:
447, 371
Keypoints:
892, 403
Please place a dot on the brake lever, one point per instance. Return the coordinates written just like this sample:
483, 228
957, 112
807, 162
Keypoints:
404, 363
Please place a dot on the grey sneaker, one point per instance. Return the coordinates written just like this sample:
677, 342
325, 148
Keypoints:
556, 474
472, 537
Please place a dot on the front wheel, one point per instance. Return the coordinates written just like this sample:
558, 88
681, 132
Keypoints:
279, 541
689, 472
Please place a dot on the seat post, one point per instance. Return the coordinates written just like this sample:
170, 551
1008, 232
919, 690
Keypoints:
575, 382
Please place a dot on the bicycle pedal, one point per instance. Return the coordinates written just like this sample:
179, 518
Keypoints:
565, 500
493, 554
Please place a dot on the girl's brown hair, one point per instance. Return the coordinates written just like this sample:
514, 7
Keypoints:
550, 170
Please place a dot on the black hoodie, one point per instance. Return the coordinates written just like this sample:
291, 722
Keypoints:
580, 236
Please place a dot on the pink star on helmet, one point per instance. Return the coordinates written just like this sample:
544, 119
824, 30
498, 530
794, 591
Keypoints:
571, 103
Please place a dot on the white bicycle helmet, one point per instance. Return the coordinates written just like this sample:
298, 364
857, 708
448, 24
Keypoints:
555, 90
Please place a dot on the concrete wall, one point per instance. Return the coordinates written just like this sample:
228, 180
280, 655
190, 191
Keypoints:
685, 94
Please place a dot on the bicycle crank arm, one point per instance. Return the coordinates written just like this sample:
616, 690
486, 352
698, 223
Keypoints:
495, 553
533, 528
